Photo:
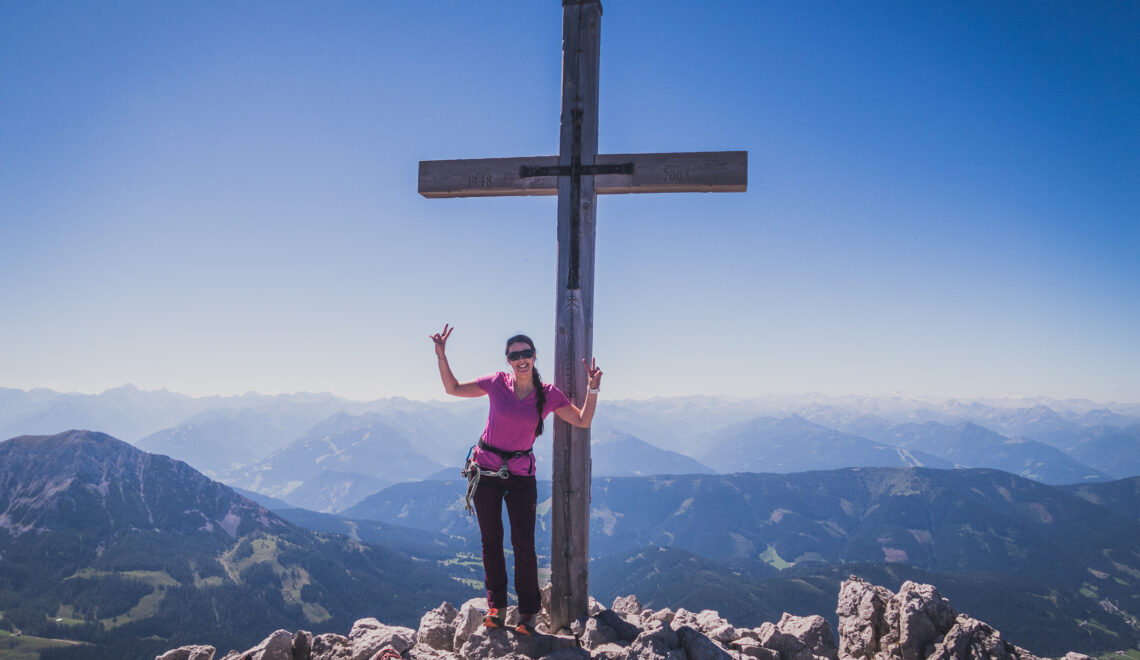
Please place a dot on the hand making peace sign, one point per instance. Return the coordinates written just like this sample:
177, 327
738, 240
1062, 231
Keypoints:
593, 373
440, 339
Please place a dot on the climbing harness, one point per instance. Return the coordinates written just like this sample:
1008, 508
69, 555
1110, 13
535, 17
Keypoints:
473, 471
508, 455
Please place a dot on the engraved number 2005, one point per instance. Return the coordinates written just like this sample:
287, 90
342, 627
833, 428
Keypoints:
677, 175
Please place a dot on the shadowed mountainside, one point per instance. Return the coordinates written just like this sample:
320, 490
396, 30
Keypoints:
104, 543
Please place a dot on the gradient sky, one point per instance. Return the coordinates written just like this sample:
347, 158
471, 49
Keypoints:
219, 197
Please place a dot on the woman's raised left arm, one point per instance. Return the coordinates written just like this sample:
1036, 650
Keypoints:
582, 417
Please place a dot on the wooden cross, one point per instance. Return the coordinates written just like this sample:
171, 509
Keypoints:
577, 175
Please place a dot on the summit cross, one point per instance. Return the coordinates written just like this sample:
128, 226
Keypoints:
578, 174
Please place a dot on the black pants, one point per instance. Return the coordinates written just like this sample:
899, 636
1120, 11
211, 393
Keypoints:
521, 496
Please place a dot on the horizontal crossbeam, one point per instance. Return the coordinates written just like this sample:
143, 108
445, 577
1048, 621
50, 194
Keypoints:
702, 171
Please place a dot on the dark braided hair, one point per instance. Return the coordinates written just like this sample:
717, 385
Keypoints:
539, 392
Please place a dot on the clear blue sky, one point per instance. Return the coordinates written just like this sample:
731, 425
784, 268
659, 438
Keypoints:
218, 197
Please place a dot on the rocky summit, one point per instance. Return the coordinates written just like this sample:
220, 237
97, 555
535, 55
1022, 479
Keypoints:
916, 623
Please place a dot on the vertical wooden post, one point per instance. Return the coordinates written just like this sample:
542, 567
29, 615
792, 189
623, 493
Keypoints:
570, 509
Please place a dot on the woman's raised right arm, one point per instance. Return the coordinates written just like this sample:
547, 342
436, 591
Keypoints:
450, 384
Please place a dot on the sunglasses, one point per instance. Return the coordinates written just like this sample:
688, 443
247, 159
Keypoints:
524, 354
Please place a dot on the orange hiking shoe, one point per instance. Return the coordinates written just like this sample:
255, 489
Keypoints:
494, 618
526, 625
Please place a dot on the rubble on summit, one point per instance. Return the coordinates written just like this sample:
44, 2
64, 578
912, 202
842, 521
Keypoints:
916, 623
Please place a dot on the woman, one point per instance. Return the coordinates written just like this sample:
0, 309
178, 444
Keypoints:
519, 401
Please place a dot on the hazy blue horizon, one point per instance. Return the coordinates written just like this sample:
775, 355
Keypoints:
216, 198
792, 398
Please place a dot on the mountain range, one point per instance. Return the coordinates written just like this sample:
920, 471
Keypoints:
793, 444
218, 441
969, 445
937, 520
340, 460
323, 453
125, 550
130, 552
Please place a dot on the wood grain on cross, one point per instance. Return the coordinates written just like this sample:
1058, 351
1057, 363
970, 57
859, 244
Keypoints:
577, 175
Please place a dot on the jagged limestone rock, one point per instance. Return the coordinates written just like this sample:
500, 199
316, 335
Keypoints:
330, 646
707, 622
189, 653
716, 627
543, 622
697, 646
425, 652
609, 652
499, 643
626, 631
751, 647
592, 633
484, 644
747, 643
629, 608
799, 638
814, 632
862, 624
747, 633
657, 641
917, 623
278, 646
574, 653
437, 628
665, 615
369, 636
970, 639
469, 620
302, 645
921, 616
540, 646
605, 627
684, 617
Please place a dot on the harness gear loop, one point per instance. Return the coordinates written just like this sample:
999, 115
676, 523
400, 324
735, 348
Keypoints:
473, 471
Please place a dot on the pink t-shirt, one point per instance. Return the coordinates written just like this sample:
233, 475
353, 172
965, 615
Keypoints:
511, 421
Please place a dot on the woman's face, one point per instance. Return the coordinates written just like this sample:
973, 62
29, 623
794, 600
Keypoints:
522, 365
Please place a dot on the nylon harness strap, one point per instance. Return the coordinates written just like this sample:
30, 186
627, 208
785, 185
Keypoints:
504, 454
